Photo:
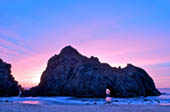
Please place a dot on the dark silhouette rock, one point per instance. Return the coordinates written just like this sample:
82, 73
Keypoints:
72, 74
8, 86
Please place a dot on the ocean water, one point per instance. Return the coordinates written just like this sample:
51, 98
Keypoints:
163, 99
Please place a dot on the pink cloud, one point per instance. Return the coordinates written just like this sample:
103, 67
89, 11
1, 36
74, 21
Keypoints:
115, 48
29, 69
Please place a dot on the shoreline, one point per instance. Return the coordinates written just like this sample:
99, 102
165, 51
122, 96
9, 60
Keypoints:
21, 107
161, 100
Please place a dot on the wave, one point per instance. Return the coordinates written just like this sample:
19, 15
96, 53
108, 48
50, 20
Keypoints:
163, 99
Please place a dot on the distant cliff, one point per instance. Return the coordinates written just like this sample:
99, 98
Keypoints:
8, 86
72, 74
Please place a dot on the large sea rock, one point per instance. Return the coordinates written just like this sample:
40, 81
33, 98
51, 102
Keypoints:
8, 86
71, 74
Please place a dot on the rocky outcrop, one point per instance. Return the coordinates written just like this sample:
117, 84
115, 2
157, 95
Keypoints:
8, 86
72, 74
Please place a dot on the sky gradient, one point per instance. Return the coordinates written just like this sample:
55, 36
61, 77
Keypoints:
116, 31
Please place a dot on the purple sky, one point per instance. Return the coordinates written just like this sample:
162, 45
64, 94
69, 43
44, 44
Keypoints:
116, 31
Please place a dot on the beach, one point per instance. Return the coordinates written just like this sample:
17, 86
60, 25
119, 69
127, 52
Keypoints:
72, 104
19, 107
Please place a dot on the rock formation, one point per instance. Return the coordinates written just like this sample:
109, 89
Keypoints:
8, 86
72, 74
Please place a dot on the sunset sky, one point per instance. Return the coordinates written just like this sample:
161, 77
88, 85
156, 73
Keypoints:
116, 31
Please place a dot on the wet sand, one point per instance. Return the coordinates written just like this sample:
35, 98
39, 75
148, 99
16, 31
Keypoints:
18, 107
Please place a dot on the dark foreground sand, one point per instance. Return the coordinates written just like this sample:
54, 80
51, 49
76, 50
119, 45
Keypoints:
17, 107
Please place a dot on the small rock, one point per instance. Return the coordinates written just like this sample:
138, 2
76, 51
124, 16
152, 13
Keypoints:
8, 86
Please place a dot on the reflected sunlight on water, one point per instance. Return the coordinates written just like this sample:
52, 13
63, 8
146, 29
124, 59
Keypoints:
30, 102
